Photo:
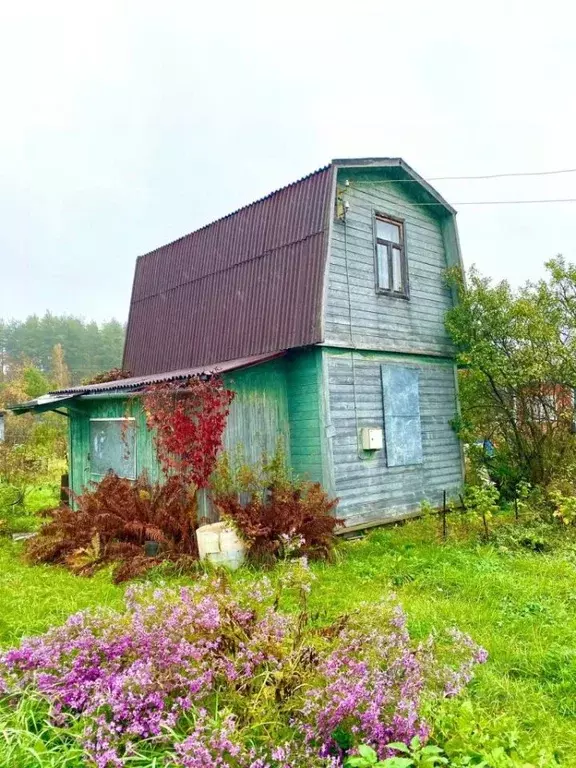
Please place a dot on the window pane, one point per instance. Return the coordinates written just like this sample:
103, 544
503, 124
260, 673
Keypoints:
383, 269
397, 278
385, 230
112, 448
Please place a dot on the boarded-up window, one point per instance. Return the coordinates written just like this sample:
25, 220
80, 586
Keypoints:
402, 427
113, 447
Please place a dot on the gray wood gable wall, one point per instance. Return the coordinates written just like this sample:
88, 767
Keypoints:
386, 330
355, 315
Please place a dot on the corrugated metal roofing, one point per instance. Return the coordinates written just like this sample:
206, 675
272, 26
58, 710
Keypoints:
250, 283
137, 382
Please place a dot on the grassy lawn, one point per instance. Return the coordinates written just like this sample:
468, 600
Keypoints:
32, 599
520, 605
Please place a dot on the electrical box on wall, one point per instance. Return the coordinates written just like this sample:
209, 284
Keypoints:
372, 438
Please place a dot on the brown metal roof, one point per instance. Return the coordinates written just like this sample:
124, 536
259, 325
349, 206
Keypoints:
248, 284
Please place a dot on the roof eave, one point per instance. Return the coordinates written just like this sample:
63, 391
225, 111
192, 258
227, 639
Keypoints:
395, 162
42, 404
136, 384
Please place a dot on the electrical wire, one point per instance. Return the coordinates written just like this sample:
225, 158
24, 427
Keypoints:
503, 175
505, 202
519, 174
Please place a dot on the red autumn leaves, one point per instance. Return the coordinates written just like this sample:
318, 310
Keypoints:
188, 418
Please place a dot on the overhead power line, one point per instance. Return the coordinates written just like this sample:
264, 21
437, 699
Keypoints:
503, 175
506, 202
518, 174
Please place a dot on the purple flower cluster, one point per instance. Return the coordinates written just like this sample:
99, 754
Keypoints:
211, 675
372, 683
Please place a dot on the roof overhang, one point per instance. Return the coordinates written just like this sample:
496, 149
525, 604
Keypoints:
404, 172
50, 402
127, 387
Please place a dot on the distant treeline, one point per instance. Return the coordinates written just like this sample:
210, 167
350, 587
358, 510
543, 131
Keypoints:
88, 347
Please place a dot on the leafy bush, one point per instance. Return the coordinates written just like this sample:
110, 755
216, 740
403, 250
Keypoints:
188, 418
516, 350
564, 507
214, 675
235, 475
297, 519
112, 523
19, 509
482, 501
414, 755
114, 374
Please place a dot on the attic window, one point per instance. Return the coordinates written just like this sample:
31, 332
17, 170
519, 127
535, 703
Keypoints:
391, 267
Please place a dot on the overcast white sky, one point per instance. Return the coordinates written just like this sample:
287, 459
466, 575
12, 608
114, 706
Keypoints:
124, 125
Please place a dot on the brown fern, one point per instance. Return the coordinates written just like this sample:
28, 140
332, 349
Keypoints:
120, 515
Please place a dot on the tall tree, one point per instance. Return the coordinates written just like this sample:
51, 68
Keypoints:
60, 372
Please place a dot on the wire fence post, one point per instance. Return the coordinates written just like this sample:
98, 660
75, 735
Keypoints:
444, 525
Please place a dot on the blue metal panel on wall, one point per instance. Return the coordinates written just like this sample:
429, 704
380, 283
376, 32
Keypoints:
403, 431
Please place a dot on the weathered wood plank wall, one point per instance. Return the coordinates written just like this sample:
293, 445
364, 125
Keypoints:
258, 419
384, 329
356, 315
368, 489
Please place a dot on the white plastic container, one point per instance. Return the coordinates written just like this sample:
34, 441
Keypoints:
220, 544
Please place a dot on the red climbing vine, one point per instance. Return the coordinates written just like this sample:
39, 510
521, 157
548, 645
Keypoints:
188, 417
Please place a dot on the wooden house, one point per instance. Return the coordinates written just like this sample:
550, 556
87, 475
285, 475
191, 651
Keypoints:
323, 306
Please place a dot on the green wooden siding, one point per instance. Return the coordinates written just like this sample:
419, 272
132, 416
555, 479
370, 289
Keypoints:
259, 417
305, 403
107, 408
259, 412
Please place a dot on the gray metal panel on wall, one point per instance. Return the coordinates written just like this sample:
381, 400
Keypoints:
403, 431
368, 489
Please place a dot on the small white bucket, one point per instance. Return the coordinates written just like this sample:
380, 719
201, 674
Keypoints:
220, 544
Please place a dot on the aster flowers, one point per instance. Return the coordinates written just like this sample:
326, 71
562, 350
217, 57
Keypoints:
215, 675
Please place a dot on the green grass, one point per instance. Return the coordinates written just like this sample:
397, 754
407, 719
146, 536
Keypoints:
23, 516
520, 605
32, 599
